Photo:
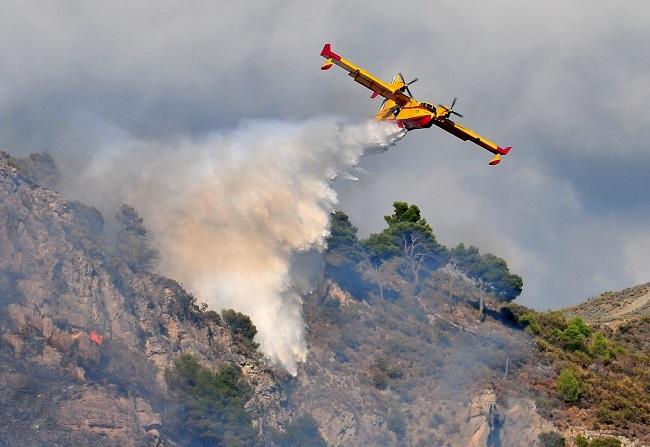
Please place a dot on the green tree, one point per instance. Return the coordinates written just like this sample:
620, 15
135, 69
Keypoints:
132, 242
343, 235
410, 236
490, 273
489, 270
212, 404
241, 325
343, 256
568, 387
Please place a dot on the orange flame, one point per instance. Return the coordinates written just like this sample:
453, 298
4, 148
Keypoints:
94, 336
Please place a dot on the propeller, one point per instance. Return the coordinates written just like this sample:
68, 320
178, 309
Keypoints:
450, 109
406, 88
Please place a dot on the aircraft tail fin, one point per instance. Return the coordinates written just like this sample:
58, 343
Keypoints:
497, 155
327, 52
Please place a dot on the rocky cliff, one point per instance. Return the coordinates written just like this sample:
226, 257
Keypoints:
84, 339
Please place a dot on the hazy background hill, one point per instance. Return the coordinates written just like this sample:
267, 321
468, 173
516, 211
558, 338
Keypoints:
615, 308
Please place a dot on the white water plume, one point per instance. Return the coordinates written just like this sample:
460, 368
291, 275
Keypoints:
230, 211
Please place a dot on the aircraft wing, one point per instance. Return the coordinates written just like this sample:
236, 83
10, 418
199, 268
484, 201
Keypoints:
378, 87
466, 134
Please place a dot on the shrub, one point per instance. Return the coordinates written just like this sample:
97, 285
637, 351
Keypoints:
600, 347
397, 424
211, 409
302, 432
551, 439
580, 324
529, 321
383, 372
605, 442
581, 441
568, 387
574, 336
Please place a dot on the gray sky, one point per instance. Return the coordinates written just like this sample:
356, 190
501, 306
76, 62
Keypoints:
567, 84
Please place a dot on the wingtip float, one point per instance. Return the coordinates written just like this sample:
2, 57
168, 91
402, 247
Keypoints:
409, 113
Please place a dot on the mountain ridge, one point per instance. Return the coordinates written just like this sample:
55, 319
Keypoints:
398, 354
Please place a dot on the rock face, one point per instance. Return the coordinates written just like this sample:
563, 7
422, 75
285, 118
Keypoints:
84, 340
483, 424
413, 371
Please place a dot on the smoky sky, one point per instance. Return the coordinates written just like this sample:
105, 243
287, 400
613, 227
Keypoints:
567, 84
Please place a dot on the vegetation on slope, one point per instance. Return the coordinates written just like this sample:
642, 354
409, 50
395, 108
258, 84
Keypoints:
409, 239
242, 327
593, 376
211, 408
390, 361
602, 372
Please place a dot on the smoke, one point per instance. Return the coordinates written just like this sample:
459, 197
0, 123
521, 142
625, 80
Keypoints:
230, 212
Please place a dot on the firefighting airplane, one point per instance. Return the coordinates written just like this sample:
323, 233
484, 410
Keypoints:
409, 113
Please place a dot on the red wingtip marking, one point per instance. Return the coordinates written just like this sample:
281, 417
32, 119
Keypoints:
504, 150
328, 53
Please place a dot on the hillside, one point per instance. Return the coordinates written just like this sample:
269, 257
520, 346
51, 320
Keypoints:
86, 336
413, 371
397, 359
406, 356
409, 344
615, 308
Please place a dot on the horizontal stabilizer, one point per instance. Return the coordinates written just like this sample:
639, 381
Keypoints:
504, 150
496, 160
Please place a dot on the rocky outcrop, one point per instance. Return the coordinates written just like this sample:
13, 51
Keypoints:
482, 422
119, 420
89, 337
521, 423
384, 373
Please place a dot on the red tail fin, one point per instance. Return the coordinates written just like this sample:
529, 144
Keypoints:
328, 53
504, 150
